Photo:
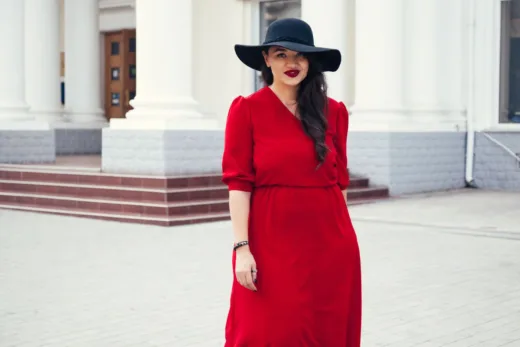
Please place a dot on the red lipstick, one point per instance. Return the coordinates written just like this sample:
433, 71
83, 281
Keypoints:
292, 73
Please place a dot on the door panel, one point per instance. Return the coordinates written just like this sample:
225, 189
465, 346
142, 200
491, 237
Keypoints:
120, 72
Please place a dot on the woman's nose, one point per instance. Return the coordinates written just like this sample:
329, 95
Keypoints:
292, 61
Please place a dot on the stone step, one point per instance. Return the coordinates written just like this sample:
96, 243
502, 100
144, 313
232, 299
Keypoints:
97, 178
166, 207
41, 176
87, 205
358, 182
125, 217
367, 193
128, 192
115, 192
144, 196
128, 217
142, 199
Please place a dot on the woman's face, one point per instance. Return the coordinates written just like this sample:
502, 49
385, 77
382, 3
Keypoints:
288, 67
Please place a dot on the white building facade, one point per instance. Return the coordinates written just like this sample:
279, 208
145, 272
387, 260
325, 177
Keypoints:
433, 86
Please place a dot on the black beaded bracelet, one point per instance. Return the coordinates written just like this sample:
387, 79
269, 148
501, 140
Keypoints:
240, 244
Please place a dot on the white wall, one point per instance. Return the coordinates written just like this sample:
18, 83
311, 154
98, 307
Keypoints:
218, 74
62, 26
113, 19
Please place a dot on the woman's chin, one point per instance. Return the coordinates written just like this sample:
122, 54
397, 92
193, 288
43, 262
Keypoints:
291, 82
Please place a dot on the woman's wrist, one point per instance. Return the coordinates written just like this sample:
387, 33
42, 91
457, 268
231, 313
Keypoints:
244, 244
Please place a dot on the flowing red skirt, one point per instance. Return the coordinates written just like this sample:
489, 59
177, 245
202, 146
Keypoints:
309, 273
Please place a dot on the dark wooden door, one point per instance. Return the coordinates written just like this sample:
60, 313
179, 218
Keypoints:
120, 72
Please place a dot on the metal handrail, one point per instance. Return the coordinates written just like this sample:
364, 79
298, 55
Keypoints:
504, 147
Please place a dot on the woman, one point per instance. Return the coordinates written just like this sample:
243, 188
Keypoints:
296, 260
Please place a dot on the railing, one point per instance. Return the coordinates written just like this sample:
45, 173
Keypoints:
504, 147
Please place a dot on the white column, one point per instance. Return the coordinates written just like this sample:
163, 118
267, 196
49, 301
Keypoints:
335, 28
379, 64
164, 91
42, 59
83, 62
420, 76
451, 50
433, 71
12, 85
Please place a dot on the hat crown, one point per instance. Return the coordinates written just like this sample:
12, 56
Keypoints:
290, 29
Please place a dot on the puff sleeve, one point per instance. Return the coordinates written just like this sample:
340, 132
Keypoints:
341, 146
237, 159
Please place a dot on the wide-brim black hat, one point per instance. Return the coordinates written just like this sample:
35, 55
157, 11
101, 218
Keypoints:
293, 34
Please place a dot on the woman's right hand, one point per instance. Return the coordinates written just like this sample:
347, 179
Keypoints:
245, 268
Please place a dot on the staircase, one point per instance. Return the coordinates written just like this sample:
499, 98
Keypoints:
165, 201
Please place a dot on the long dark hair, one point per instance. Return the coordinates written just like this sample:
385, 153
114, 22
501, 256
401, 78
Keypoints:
312, 104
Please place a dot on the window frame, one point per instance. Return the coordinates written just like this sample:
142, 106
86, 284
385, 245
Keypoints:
485, 98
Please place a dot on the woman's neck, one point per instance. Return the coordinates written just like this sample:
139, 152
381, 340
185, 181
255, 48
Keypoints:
285, 93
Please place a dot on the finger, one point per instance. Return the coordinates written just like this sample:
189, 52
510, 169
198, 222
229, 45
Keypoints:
254, 273
241, 278
249, 281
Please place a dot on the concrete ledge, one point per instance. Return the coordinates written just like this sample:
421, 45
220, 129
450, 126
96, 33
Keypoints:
27, 146
162, 152
78, 141
494, 167
409, 162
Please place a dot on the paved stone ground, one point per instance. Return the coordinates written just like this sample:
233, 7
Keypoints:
439, 270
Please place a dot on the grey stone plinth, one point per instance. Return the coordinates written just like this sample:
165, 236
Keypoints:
409, 162
162, 152
78, 141
494, 167
27, 146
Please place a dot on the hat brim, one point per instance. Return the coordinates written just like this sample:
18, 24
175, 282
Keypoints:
329, 58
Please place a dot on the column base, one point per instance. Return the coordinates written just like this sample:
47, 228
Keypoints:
78, 138
409, 162
407, 120
184, 123
27, 142
164, 152
82, 117
15, 113
51, 116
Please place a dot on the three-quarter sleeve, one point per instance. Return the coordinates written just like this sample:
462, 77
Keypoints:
341, 146
237, 159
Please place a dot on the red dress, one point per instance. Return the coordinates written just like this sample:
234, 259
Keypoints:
300, 232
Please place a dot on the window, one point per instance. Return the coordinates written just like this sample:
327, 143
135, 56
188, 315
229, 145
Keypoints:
115, 99
271, 10
114, 72
510, 62
114, 48
131, 45
131, 71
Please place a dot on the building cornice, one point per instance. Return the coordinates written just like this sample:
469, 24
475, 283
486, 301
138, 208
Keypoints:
116, 4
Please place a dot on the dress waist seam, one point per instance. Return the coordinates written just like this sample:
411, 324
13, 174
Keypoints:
294, 186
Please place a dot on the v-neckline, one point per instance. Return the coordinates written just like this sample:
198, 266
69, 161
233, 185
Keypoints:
282, 104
